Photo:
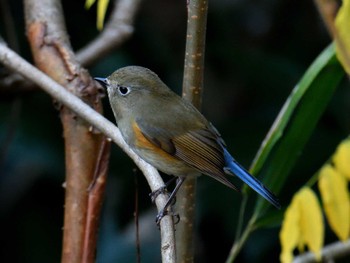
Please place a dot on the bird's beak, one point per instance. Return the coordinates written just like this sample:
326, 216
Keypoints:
102, 81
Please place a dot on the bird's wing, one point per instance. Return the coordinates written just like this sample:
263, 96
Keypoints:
198, 148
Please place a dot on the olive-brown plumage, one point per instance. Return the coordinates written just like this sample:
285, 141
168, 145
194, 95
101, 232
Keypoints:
168, 132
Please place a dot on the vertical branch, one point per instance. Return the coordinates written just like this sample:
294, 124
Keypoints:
53, 55
194, 54
192, 91
95, 201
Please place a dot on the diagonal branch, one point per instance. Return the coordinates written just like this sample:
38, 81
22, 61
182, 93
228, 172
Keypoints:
329, 253
17, 64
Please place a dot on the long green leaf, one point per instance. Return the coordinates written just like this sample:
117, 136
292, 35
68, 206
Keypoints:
296, 122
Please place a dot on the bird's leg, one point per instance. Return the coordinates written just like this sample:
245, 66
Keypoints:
169, 202
161, 190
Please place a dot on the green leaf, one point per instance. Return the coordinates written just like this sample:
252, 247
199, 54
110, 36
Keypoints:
296, 122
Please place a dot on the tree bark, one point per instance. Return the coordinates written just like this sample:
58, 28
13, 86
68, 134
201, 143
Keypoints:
53, 55
191, 90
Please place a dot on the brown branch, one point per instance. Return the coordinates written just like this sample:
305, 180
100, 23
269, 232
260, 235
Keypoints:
192, 91
118, 29
95, 201
53, 54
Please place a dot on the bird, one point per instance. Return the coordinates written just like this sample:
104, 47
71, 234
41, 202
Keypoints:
169, 133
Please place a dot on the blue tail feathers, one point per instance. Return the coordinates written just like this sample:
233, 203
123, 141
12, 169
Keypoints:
234, 167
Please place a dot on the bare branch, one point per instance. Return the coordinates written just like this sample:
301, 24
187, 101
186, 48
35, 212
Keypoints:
118, 29
16, 63
191, 90
329, 253
52, 53
96, 196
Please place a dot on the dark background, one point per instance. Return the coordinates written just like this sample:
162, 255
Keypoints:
256, 52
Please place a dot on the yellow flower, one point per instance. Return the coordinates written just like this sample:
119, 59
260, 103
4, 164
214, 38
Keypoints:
302, 225
334, 193
342, 39
341, 158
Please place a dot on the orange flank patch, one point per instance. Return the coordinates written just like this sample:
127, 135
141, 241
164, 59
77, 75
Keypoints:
143, 143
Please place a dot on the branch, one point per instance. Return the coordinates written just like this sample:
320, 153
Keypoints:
329, 253
16, 63
53, 55
118, 29
192, 91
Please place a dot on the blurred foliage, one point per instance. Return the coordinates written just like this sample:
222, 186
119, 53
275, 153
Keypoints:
101, 11
256, 52
342, 38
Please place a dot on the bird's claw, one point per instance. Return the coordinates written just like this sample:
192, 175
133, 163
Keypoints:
154, 194
164, 213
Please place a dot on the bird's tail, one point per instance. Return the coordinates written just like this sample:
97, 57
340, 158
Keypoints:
255, 184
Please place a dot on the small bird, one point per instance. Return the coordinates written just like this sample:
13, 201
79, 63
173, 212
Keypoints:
169, 133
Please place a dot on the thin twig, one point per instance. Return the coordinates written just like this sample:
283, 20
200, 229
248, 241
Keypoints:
16, 63
236, 248
241, 217
136, 216
95, 200
332, 251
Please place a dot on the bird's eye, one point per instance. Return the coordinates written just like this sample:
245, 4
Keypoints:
123, 90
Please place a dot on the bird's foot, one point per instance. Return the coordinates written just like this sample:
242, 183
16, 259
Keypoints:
164, 213
154, 194
162, 190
